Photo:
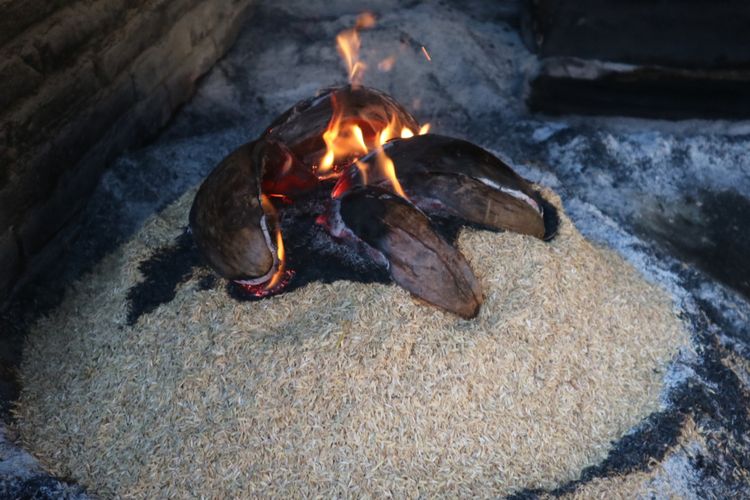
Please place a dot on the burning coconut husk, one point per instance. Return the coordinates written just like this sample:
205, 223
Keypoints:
233, 217
339, 125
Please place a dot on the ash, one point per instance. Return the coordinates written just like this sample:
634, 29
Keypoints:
671, 197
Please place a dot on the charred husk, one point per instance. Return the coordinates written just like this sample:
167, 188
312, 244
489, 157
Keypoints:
371, 210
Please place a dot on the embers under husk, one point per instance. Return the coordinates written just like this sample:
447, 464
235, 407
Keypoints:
378, 198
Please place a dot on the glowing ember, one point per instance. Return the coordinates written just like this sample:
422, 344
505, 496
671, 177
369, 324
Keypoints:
426, 54
387, 64
264, 290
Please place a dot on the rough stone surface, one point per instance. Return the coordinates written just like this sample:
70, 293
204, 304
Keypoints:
72, 78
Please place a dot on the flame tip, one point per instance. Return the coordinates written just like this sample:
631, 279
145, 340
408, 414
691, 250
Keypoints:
348, 139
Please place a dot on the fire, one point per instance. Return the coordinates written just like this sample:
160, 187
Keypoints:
406, 133
362, 171
280, 273
281, 276
385, 165
390, 131
348, 140
276, 278
348, 43
343, 140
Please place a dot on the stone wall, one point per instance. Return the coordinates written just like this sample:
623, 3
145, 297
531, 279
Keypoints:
81, 81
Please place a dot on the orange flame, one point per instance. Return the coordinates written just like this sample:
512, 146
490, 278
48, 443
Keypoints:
348, 44
362, 170
346, 142
270, 210
342, 140
386, 166
389, 132
276, 278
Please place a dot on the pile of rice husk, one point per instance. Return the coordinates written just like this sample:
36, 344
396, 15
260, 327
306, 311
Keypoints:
348, 388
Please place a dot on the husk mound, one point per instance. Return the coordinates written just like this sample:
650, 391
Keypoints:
348, 388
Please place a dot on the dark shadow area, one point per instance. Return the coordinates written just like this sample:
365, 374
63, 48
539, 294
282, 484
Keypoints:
708, 230
651, 93
163, 272
688, 33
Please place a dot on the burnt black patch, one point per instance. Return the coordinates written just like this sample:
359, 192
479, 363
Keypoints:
163, 272
314, 254
709, 230
207, 282
654, 437
551, 219
716, 400
651, 440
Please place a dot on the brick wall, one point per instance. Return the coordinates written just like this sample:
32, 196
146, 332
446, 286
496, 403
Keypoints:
80, 81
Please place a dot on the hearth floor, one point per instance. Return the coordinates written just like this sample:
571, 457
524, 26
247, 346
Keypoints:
669, 197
